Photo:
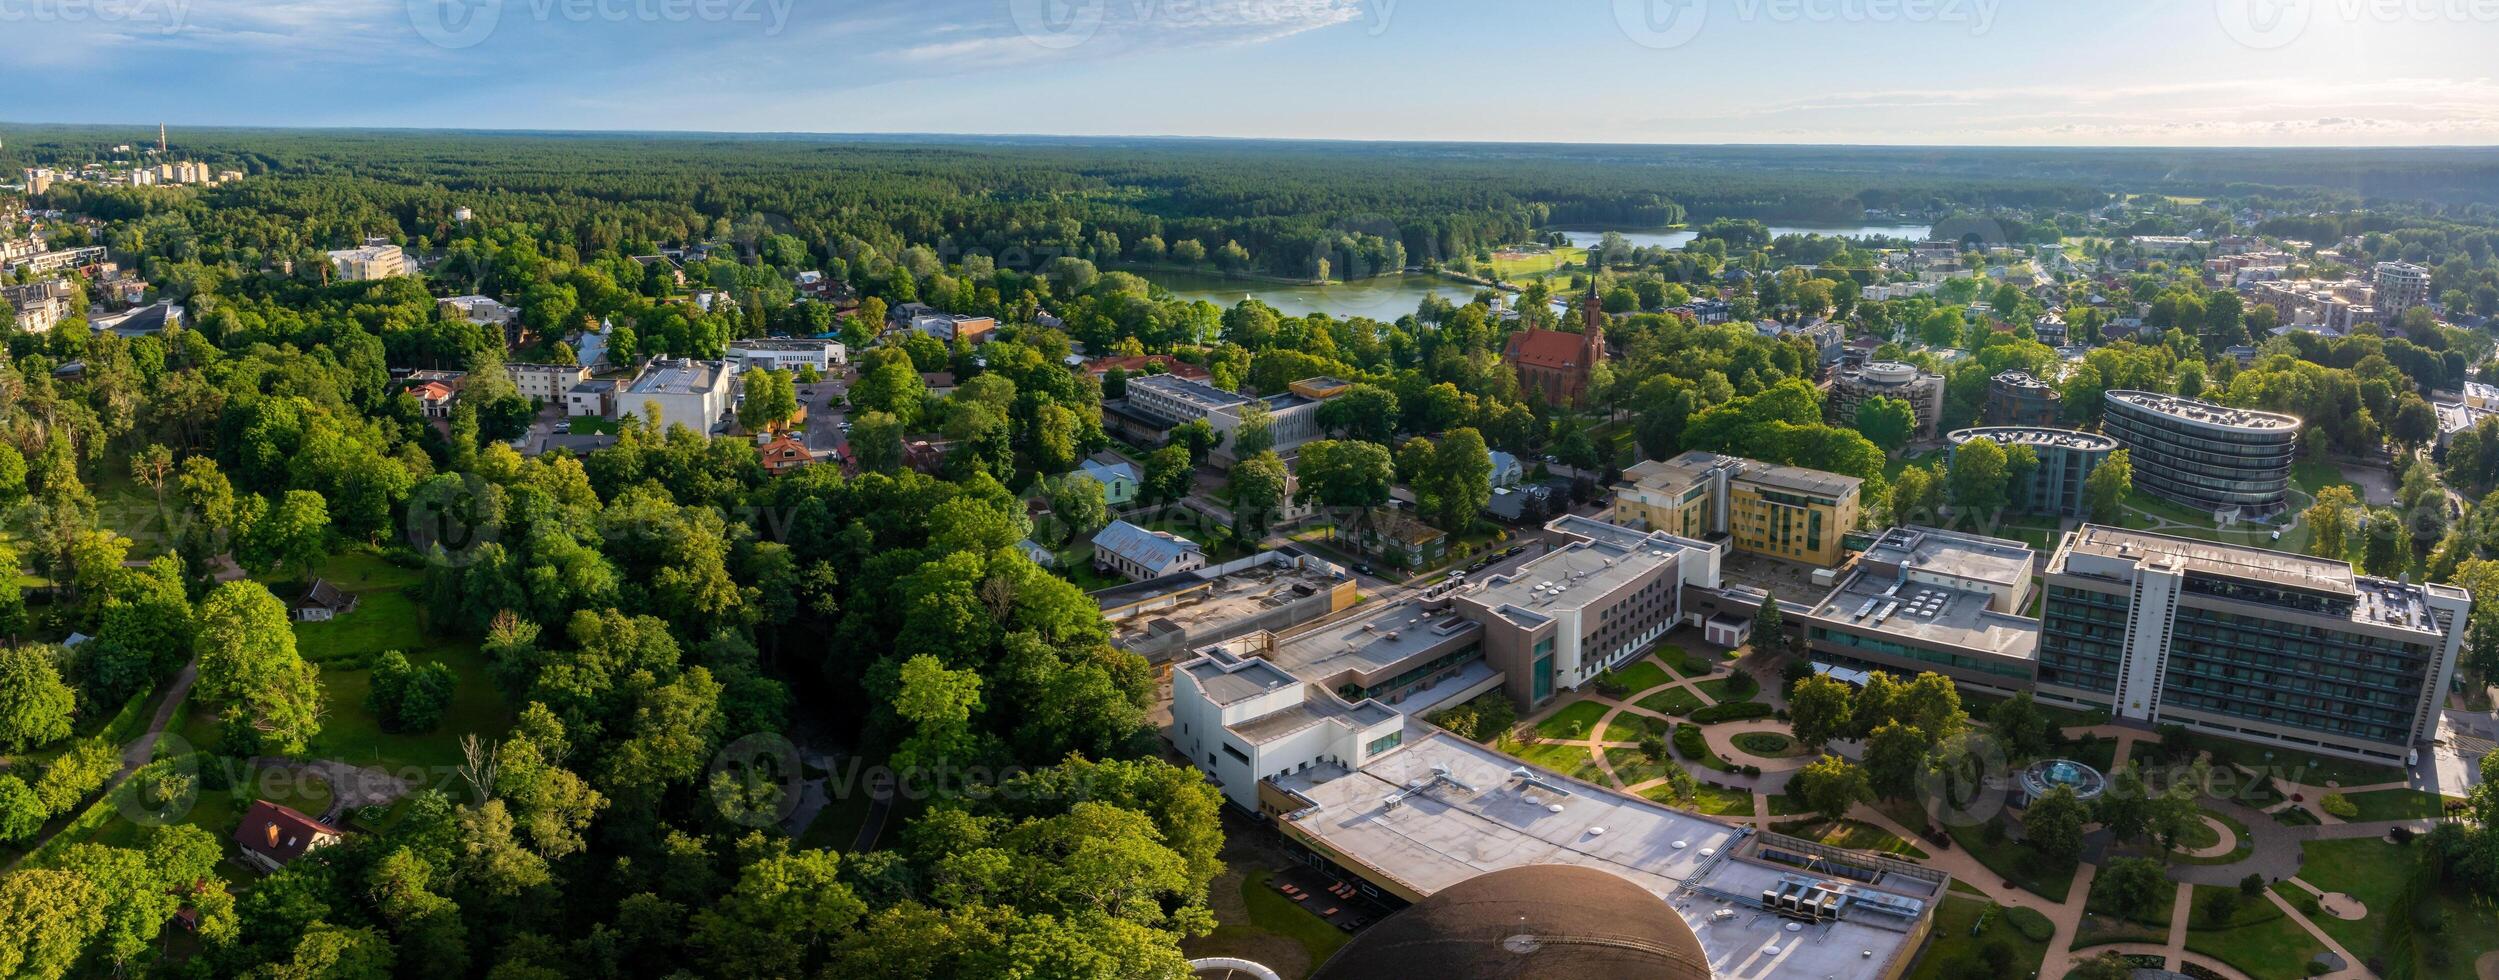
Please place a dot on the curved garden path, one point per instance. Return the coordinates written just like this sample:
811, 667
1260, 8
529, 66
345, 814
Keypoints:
2274, 850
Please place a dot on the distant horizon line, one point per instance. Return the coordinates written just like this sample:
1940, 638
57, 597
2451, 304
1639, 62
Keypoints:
932, 136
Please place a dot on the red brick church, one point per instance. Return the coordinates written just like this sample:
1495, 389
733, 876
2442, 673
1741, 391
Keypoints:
1555, 365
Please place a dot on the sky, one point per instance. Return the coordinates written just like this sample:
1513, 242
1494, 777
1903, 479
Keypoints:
1949, 72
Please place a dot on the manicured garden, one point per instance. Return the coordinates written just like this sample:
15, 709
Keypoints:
1572, 721
2376, 873
1633, 679
2257, 938
1768, 745
2016, 861
1966, 928
1672, 701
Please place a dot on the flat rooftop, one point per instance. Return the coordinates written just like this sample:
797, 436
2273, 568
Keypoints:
1463, 810
2025, 435
1205, 603
1364, 643
1188, 390
677, 378
1932, 614
2275, 568
1995, 561
1690, 467
2202, 411
1570, 577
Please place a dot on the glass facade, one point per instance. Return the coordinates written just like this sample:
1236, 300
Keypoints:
1540, 672
2082, 636
2208, 467
2249, 666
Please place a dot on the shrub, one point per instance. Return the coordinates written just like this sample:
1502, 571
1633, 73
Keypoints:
2252, 885
1690, 744
2339, 805
2221, 908
1732, 711
2033, 925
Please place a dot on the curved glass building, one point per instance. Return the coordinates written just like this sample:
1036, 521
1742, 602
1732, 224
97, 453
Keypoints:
2210, 457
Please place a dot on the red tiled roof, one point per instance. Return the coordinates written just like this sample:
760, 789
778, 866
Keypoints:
1547, 348
279, 832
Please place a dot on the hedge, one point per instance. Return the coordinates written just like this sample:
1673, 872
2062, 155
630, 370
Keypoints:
1734, 711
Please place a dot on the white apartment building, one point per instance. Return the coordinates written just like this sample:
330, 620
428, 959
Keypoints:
546, 383
694, 394
787, 354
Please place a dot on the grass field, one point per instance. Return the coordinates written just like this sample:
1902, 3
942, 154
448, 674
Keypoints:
2313, 770
1277, 915
1713, 800
1573, 721
1635, 678
1960, 934
1723, 691
2203, 836
2015, 861
2397, 804
2375, 872
1569, 760
1769, 745
1634, 768
2259, 940
1672, 701
2104, 922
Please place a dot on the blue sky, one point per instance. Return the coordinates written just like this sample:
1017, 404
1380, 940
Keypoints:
2167, 72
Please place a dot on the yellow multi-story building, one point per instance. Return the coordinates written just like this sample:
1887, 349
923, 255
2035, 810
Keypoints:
1786, 512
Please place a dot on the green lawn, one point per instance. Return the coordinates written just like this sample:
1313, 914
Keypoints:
2397, 804
350, 733
1573, 721
383, 621
1636, 678
1634, 768
1274, 914
1722, 691
1713, 800
1672, 701
1569, 760
2259, 940
2104, 922
2203, 836
1959, 934
2015, 861
2313, 770
2376, 872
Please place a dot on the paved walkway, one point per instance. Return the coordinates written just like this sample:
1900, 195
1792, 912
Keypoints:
2274, 850
133, 755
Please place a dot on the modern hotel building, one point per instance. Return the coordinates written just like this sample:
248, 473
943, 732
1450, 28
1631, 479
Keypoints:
2252, 644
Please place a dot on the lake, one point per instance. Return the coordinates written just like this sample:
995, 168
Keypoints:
1674, 238
1382, 298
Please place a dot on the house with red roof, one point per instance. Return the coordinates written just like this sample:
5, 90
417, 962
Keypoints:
273, 835
784, 454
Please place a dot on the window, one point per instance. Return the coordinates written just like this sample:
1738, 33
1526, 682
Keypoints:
1384, 743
